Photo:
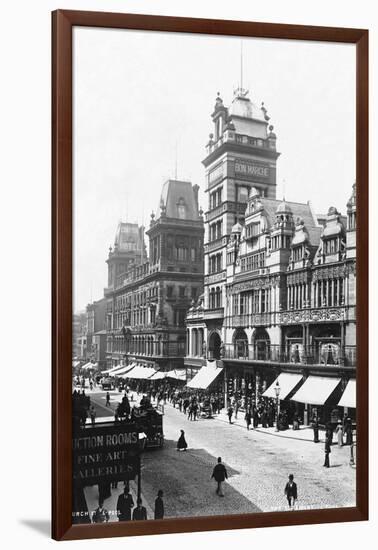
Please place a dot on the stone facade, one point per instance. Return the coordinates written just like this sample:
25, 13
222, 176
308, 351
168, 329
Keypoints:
147, 304
280, 281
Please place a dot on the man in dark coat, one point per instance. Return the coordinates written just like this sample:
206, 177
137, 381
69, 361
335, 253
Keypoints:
348, 431
159, 506
124, 505
219, 474
230, 410
315, 427
291, 491
327, 450
140, 512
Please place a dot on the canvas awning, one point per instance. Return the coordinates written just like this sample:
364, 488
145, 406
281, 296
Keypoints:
287, 382
316, 390
90, 365
123, 370
158, 375
348, 398
176, 374
205, 376
139, 373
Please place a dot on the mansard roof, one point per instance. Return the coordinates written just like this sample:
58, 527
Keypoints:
176, 193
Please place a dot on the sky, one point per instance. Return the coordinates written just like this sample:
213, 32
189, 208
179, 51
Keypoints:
142, 105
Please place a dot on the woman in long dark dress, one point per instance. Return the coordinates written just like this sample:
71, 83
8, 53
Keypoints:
181, 443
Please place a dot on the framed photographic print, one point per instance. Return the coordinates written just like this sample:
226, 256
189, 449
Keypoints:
210, 281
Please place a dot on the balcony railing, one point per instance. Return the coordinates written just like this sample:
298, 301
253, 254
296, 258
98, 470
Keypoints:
251, 320
150, 349
217, 243
302, 355
229, 206
216, 313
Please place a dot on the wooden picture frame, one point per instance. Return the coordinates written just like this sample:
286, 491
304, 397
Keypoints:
62, 234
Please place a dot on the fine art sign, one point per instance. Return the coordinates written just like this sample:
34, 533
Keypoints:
105, 452
161, 275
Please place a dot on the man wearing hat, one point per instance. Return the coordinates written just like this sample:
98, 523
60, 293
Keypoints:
124, 505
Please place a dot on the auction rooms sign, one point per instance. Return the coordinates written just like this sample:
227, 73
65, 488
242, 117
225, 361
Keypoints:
105, 452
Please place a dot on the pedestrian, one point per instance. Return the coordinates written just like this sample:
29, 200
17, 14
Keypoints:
100, 515
348, 431
248, 418
296, 421
159, 506
220, 475
237, 405
195, 409
256, 418
92, 414
315, 427
125, 503
291, 491
327, 450
339, 433
181, 443
229, 413
140, 512
264, 418
107, 404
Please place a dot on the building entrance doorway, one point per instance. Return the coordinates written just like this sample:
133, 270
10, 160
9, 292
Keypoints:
214, 346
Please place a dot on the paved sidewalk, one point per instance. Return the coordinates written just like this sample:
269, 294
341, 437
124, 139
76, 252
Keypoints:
110, 503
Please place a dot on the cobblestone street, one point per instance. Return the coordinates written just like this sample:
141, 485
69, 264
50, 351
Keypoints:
258, 463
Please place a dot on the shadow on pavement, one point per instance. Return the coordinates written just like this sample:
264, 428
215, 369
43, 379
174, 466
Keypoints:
185, 478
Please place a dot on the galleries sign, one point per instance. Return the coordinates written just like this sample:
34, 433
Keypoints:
105, 452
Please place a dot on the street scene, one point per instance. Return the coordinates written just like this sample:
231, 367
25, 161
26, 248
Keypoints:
214, 330
258, 463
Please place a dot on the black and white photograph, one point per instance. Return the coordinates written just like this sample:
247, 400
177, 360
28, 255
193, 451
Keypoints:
214, 275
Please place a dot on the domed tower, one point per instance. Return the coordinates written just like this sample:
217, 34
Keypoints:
240, 155
233, 246
281, 236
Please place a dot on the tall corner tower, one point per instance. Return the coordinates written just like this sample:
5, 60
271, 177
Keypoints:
241, 155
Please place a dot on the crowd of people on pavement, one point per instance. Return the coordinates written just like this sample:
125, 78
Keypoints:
126, 509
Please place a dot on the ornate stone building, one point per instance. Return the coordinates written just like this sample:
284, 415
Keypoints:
279, 289
148, 301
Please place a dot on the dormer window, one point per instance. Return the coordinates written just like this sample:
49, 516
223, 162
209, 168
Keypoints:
181, 209
331, 246
297, 253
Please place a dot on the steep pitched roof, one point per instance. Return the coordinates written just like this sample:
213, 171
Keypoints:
299, 210
176, 194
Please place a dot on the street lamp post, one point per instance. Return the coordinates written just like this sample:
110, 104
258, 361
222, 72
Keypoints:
277, 390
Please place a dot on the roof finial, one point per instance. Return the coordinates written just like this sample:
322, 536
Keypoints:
283, 186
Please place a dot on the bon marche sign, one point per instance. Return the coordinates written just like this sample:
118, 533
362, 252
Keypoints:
251, 169
105, 452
